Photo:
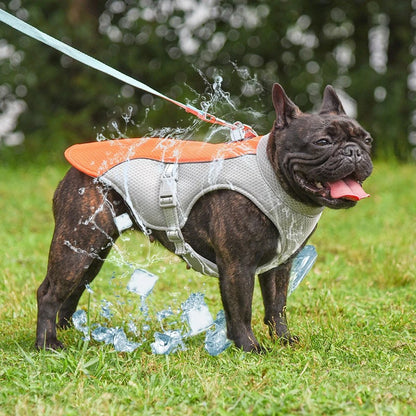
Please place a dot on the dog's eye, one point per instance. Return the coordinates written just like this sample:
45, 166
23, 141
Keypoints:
323, 142
368, 140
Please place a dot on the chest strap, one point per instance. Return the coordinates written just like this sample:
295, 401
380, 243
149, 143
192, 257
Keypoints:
168, 201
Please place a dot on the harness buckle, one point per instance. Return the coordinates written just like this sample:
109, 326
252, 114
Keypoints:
167, 201
175, 236
168, 187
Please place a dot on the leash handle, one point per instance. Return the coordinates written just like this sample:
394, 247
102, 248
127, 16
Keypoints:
245, 132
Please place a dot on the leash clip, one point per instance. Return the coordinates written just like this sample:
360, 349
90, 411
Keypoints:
241, 131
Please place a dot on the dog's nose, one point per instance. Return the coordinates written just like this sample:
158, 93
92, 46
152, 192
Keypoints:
352, 151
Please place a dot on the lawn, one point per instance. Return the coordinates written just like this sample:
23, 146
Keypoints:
354, 313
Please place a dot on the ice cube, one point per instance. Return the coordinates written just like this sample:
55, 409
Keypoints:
104, 334
141, 282
115, 336
167, 342
79, 319
302, 263
121, 343
216, 338
123, 222
196, 314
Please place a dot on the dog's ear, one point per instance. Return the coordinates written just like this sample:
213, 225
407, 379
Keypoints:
286, 110
331, 104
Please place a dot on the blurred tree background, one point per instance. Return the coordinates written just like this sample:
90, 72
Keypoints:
365, 49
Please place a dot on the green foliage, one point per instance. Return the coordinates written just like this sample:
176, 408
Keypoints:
302, 44
354, 314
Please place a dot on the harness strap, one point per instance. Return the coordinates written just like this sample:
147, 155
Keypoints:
168, 201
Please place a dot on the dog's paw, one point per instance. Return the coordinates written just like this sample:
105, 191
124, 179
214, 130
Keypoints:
291, 340
54, 345
251, 346
257, 349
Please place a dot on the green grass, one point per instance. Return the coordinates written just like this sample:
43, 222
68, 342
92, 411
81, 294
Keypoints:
355, 315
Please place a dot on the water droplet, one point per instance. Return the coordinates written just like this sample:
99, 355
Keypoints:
106, 309
205, 106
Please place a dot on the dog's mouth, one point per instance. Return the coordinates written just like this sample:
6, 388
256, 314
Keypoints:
347, 188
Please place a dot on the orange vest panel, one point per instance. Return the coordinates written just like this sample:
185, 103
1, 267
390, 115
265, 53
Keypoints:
96, 158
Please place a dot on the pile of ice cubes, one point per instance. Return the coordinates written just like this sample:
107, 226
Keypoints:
194, 316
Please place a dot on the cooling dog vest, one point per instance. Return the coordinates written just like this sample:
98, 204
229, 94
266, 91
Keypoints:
161, 179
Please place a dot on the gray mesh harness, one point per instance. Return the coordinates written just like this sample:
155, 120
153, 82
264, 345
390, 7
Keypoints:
161, 196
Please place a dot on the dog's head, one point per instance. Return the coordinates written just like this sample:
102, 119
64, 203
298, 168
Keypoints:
320, 159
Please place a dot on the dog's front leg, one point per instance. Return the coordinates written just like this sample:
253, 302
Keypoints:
274, 284
237, 286
227, 228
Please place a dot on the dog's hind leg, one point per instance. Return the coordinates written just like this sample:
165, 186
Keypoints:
70, 305
62, 296
83, 236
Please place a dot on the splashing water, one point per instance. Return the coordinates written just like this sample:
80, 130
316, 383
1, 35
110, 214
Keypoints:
213, 99
162, 315
195, 315
132, 327
116, 337
106, 309
217, 95
122, 344
127, 117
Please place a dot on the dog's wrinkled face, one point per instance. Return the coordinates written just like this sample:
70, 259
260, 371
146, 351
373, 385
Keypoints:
321, 159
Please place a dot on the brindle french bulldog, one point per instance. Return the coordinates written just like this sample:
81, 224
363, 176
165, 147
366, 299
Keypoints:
314, 157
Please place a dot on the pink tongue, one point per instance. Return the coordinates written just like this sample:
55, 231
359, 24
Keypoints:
347, 188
